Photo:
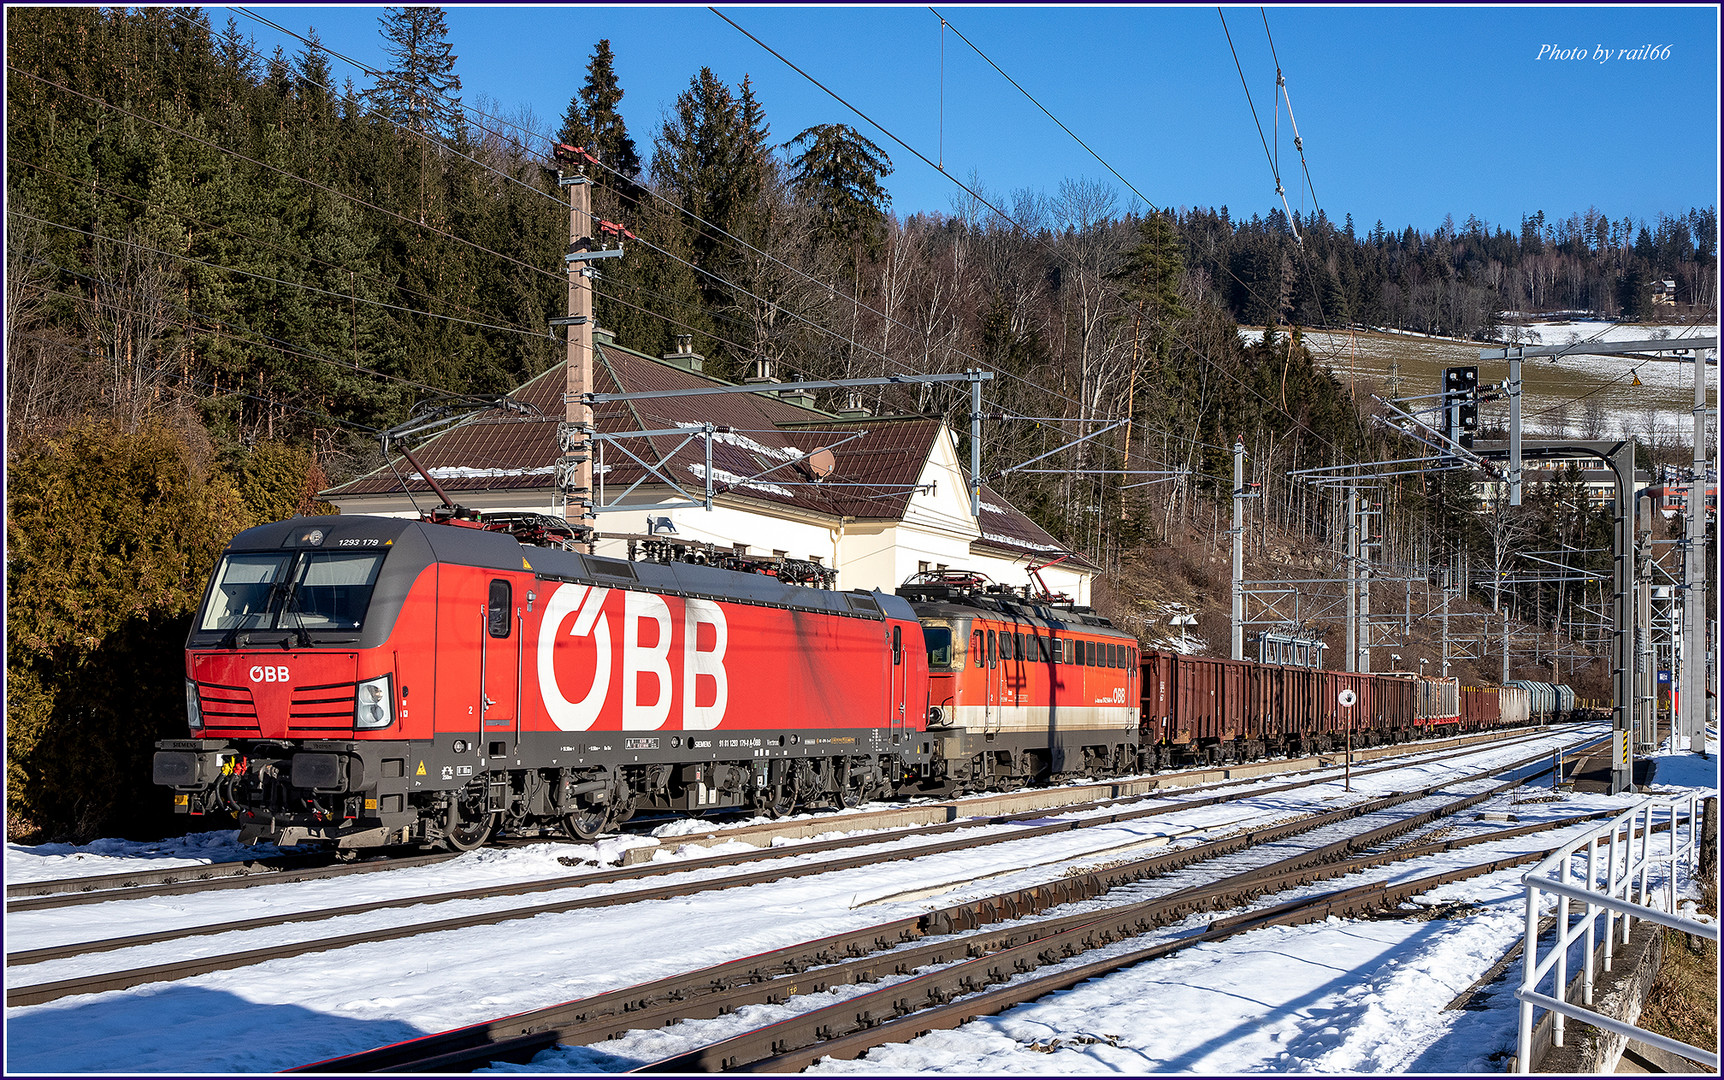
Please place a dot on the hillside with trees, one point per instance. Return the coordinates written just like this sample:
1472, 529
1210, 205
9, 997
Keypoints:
227, 272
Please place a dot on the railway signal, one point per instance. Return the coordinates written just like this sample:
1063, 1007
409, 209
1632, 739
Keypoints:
1460, 404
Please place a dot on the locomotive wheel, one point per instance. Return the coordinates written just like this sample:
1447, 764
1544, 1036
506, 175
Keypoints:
587, 822
470, 824
850, 795
781, 803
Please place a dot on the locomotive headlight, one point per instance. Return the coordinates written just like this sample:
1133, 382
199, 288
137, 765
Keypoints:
375, 707
194, 714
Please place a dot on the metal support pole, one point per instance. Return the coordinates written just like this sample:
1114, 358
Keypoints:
1646, 731
1352, 579
1447, 584
1504, 613
976, 445
1365, 546
1622, 619
1514, 429
1239, 550
1692, 678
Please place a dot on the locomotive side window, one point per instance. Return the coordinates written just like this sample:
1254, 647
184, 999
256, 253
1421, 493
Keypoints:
977, 649
993, 654
939, 642
897, 645
497, 611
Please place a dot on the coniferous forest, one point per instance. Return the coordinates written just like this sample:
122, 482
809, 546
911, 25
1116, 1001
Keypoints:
227, 272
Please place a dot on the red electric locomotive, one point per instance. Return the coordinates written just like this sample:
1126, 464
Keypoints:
360, 681
1022, 689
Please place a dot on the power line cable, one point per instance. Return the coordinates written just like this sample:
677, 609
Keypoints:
947, 23
715, 229
923, 158
286, 348
1104, 162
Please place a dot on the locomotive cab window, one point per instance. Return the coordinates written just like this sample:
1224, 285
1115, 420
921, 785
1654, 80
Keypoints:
939, 642
308, 590
497, 611
978, 650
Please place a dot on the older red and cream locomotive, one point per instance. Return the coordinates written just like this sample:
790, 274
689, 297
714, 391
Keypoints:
365, 681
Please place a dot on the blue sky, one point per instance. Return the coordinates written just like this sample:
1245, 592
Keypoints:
1407, 113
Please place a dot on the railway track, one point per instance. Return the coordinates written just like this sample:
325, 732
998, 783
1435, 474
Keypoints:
965, 962
241, 874
226, 959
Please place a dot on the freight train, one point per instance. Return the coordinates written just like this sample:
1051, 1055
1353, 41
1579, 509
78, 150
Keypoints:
358, 682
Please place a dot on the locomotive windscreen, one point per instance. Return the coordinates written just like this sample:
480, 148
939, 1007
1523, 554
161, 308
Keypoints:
312, 590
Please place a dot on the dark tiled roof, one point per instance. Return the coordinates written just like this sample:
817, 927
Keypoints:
877, 460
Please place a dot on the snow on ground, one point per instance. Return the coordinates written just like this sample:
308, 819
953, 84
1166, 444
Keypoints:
1340, 997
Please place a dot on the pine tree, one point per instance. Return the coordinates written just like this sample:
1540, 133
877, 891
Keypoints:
421, 90
708, 157
592, 120
838, 173
312, 79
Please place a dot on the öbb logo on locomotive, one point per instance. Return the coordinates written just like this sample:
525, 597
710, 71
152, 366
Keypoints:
645, 664
315, 637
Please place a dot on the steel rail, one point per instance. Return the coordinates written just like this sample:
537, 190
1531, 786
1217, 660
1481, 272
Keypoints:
60, 952
232, 873
711, 991
884, 1017
174, 970
245, 873
594, 1020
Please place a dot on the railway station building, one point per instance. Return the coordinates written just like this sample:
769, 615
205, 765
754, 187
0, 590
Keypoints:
889, 498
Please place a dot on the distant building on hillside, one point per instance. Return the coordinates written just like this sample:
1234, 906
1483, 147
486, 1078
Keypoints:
1664, 292
894, 502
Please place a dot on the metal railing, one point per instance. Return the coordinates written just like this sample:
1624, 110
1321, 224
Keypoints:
1619, 884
